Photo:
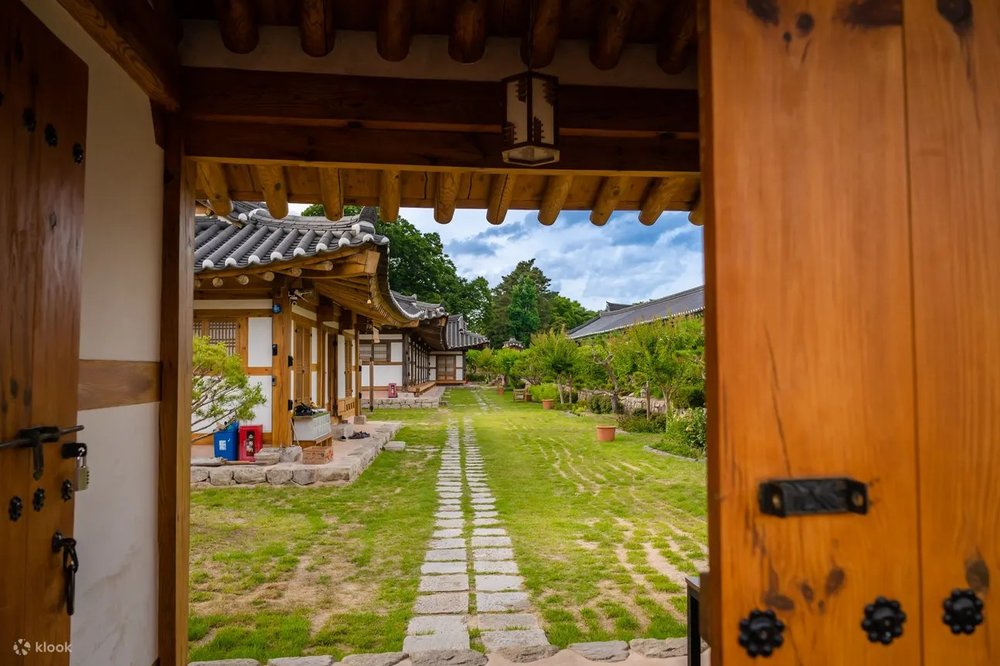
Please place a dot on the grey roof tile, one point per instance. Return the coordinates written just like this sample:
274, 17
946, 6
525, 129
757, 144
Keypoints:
458, 337
618, 316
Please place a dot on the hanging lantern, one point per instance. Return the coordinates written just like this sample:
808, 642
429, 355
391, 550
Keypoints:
530, 133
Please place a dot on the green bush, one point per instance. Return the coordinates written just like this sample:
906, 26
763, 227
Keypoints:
599, 403
638, 422
687, 432
541, 392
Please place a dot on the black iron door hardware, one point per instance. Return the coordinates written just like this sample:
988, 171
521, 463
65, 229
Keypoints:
799, 497
761, 633
66, 490
883, 621
38, 499
15, 508
70, 565
34, 438
963, 611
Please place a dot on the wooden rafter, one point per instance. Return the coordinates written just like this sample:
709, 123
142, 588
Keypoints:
697, 214
501, 191
539, 44
237, 25
556, 191
388, 200
332, 192
467, 42
444, 196
661, 193
213, 178
317, 31
275, 190
676, 46
394, 26
606, 49
607, 199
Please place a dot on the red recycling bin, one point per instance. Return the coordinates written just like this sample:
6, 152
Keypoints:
251, 441
392, 390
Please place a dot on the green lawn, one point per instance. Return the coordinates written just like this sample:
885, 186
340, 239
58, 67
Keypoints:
603, 534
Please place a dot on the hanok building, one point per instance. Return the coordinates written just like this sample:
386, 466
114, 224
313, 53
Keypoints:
618, 316
291, 297
842, 155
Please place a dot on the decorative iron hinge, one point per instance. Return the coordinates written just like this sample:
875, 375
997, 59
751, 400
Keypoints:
799, 497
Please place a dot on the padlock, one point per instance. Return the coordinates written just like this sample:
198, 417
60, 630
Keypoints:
82, 479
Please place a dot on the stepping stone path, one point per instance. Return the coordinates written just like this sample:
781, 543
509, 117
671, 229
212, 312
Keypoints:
470, 564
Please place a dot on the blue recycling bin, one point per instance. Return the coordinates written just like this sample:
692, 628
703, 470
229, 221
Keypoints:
227, 443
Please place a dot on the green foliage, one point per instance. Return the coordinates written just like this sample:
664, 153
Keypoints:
504, 361
600, 403
221, 391
557, 356
690, 426
567, 313
523, 311
541, 392
639, 421
665, 355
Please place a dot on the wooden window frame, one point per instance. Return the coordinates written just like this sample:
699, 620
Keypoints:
202, 321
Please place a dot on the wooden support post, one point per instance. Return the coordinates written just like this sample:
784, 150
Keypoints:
332, 193
501, 193
539, 44
317, 31
237, 24
394, 31
275, 191
607, 199
388, 200
213, 178
281, 393
612, 30
556, 191
468, 34
176, 312
444, 196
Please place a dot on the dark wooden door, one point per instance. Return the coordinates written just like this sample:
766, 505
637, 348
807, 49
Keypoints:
43, 119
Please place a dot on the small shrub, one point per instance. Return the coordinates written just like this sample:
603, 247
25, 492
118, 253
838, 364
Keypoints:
599, 403
686, 434
541, 392
639, 423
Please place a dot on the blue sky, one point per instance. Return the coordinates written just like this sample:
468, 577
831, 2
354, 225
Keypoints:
624, 261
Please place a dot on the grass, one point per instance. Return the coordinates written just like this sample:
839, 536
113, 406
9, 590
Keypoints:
603, 534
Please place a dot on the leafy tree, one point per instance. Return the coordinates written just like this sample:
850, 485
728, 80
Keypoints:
505, 360
523, 311
606, 353
220, 390
554, 310
567, 313
666, 355
557, 355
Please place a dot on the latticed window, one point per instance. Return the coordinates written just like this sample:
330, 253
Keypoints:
222, 331
378, 351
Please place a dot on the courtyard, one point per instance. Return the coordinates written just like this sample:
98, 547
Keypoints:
515, 519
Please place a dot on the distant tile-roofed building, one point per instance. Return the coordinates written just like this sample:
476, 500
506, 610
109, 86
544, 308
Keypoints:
458, 337
617, 316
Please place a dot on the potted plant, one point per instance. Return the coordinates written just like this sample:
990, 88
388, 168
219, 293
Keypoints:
547, 403
606, 433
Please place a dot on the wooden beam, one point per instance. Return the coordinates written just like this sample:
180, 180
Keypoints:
556, 191
467, 42
394, 29
539, 44
237, 24
388, 199
275, 191
117, 383
444, 196
661, 192
317, 31
676, 47
607, 199
132, 33
331, 193
174, 483
697, 214
254, 143
612, 31
335, 100
501, 191
213, 179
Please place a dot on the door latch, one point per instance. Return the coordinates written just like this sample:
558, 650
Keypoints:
70, 565
822, 495
34, 438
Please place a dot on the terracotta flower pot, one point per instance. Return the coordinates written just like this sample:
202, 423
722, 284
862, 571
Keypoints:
606, 433
527, 396
499, 390
547, 404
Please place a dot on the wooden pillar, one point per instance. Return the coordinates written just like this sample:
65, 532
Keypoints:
953, 102
281, 392
176, 312
809, 324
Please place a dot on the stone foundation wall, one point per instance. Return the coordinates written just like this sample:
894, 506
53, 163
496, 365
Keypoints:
629, 403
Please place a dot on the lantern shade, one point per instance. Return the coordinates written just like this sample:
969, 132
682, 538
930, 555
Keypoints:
530, 132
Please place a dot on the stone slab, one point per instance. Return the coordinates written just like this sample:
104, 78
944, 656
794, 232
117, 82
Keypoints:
446, 523
448, 514
485, 514
438, 544
446, 555
395, 446
489, 531
498, 566
481, 522
444, 567
226, 662
304, 477
528, 653
449, 658
506, 621
249, 474
302, 661
374, 659
432, 624
498, 583
199, 474
491, 541
444, 583
602, 650
479, 554
221, 476
449, 533
442, 602
659, 648
502, 602
496, 640
448, 640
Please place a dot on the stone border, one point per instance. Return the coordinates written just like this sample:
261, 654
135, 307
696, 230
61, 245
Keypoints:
672, 455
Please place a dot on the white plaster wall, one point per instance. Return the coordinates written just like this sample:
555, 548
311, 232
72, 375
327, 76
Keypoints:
341, 388
314, 377
313, 341
259, 342
262, 413
116, 518
383, 375
396, 352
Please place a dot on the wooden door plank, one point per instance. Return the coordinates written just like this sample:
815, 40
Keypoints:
953, 102
809, 334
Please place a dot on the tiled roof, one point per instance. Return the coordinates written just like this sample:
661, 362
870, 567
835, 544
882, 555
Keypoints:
418, 309
617, 317
249, 236
458, 337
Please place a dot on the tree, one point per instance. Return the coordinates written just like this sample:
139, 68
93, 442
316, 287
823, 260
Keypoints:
554, 310
665, 355
557, 355
522, 314
567, 313
605, 352
505, 360
220, 389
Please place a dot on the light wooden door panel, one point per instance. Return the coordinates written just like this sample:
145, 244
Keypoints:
809, 330
43, 118
953, 95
